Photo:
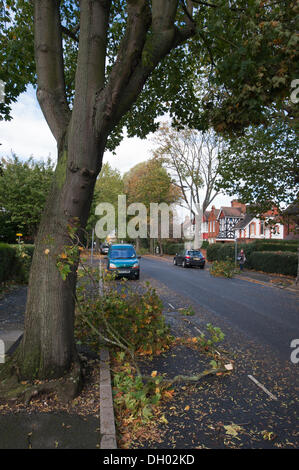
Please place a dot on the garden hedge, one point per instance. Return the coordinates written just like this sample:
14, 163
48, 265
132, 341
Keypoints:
11, 266
280, 245
281, 262
259, 256
7, 261
172, 248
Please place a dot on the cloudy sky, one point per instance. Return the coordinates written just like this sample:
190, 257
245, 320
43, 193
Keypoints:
28, 135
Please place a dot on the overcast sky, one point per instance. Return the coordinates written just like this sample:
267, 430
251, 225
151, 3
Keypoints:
27, 134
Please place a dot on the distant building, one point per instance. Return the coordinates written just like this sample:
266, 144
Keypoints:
291, 219
205, 225
228, 218
213, 225
258, 228
227, 223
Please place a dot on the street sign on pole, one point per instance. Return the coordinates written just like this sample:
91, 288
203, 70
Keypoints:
92, 242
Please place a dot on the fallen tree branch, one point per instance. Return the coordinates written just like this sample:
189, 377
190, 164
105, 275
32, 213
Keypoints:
188, 378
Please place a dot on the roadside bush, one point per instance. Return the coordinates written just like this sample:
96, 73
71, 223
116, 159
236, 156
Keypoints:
15, 261
274, 262
7, 261
205, 244
276, 246
226, 252
222, 269
173, 248
213, 251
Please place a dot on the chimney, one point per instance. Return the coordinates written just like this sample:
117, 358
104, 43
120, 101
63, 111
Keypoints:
236, 203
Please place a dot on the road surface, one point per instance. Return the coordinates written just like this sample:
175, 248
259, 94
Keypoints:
257, 405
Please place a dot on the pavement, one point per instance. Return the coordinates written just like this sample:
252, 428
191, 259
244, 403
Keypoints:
22, 429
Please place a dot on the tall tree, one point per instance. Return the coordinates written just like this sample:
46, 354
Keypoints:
148, 182
192, 158
100, 64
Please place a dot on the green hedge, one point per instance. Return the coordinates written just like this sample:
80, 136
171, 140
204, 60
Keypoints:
281, 262
172, 248
276, 246
278, 241
7, 261
223, 251
278, 261
11, 266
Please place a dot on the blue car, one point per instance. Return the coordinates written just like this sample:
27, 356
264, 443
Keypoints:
123, 261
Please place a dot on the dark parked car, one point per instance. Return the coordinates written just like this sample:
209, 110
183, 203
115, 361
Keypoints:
189, 258
104, 248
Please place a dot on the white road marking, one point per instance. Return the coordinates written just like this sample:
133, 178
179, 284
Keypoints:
171, 306
197, 329
262, 387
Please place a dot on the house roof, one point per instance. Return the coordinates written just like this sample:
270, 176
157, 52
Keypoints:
214, 211
231, 211
244, 222
206, 215
292, 209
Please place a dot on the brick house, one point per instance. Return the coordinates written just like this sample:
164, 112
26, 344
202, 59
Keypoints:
228, 218
257, 228
213, 224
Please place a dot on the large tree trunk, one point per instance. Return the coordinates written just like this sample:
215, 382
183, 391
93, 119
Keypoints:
48, 349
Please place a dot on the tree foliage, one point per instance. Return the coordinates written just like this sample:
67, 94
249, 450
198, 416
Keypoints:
261, 167
149, 182
109, 186
241, 59
24, 187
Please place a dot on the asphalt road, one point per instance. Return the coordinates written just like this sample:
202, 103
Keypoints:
267, 315
260, 397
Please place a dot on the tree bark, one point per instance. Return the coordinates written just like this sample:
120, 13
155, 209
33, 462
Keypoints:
47, 349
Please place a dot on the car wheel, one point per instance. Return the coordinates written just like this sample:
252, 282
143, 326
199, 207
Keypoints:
184, 264
175, 262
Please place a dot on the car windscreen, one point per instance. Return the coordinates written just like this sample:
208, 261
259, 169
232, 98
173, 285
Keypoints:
122, 253
194, 253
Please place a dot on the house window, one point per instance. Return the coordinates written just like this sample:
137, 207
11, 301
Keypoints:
262, 227
252, 229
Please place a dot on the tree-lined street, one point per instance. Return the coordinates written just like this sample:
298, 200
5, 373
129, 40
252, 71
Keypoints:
214, 85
